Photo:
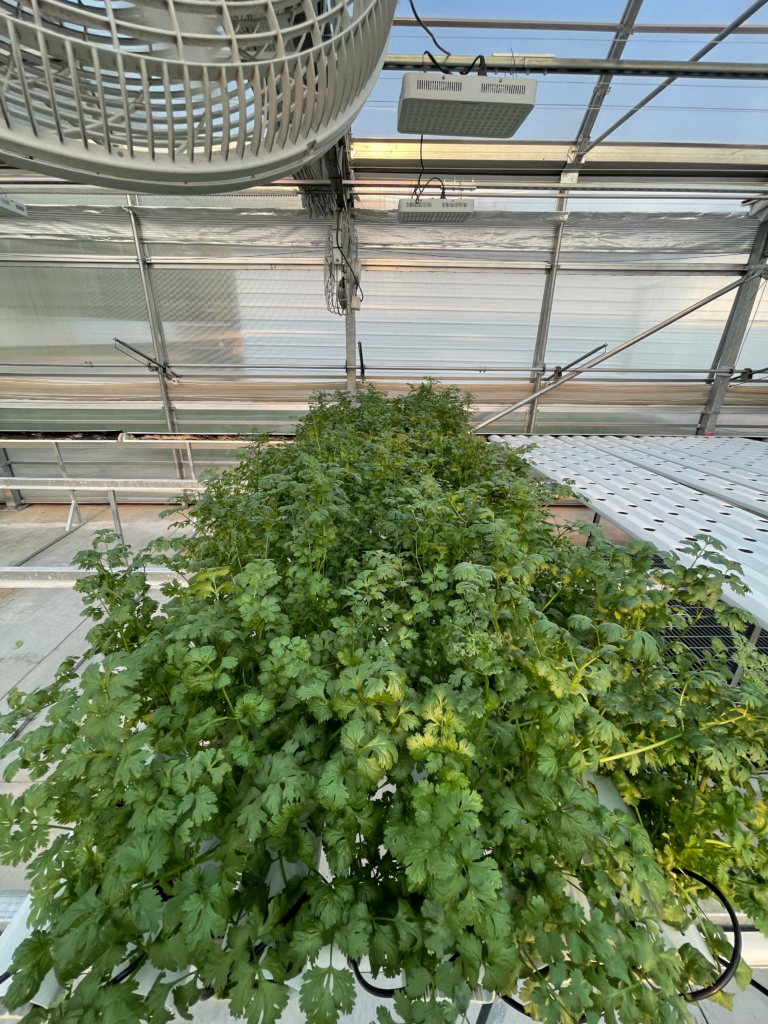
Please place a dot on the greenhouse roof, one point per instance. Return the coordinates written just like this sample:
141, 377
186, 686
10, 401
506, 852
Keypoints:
573, 246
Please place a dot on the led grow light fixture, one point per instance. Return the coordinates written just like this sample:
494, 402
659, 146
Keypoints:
10, 208
475, 106
435, 211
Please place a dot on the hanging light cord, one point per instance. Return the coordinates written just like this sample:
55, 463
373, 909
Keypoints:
428, 31
418, 191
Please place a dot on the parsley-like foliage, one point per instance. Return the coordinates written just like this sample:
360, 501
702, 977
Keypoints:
365, 727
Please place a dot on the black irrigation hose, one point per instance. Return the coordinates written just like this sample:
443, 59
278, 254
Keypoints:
733, 963
386, 993
372, 990
127, 971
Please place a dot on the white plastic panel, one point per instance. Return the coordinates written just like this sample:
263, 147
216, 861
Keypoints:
653, 508
697, 472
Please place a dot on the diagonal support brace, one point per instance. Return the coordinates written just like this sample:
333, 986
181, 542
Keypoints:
734, 332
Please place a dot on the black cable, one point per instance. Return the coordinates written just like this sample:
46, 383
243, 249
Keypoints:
733, 963
428, 31
436, 62
418, 190
127, 971
373, 990
358, 286
483, 67
447, 71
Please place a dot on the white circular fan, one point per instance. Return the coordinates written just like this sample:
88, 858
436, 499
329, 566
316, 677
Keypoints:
183, 95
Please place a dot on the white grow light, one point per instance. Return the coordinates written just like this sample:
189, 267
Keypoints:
435, 211
468, 105
10, 208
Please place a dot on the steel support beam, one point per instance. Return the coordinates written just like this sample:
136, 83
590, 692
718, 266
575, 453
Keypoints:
55, 576
607, 355
603, 86
673, 76
545, 315
735, 329
11, 495
47, 483
350, 365
518, 25
476, 158
543, 65
73, 507
155, 323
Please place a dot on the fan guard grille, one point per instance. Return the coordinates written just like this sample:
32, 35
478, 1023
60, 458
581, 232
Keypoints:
183, 95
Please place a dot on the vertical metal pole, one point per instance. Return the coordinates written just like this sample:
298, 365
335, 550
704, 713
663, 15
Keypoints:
155, 325
733, 335
351, 359
191, 461
11, 496
545, 316
73, 505
116, 516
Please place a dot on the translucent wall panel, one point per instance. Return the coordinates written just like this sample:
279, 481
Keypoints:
444, 320
590, 310
70, 314
257, 316
68, 223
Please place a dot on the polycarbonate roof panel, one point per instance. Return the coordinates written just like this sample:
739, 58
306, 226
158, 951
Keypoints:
692, 111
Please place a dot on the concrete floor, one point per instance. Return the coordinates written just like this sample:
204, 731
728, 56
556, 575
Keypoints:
48, 623
40, 627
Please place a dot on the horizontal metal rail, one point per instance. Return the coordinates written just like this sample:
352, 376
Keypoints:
55, 577
85, 484
545, 65
521, 25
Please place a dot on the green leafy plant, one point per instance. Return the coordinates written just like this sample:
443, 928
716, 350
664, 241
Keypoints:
362, 725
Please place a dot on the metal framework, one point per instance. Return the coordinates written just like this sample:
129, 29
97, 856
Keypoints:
378, 170
752, 273
707, 48
543, 65
48, 577
603, 85
523, 25
735, 329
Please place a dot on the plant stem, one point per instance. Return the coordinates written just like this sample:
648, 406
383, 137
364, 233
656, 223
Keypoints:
640, 750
